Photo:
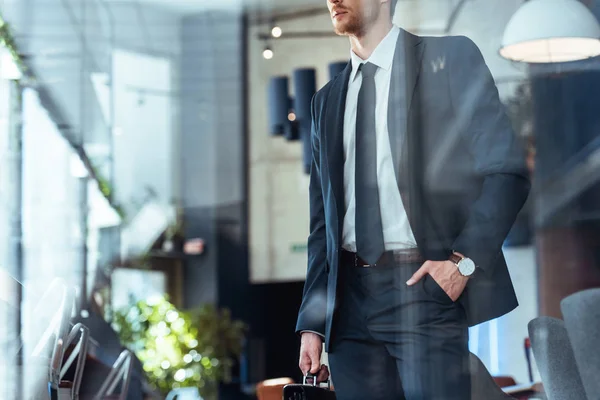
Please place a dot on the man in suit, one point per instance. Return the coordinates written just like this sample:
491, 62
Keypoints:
416, 179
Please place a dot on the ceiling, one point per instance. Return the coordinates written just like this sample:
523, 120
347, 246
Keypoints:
192, 6
431, 13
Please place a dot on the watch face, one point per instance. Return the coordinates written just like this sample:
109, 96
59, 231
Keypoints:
466, 267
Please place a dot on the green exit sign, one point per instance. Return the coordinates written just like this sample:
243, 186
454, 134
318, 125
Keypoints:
298, 248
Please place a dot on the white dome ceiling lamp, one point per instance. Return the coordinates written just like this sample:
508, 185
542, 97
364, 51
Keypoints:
551, 31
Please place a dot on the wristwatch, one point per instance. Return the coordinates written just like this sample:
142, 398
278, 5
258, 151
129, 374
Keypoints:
465, 265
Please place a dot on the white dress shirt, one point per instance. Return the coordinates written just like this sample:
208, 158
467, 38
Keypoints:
396, 229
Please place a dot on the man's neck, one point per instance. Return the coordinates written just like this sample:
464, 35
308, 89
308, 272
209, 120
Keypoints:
363, 45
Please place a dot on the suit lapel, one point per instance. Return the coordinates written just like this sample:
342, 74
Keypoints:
405, 74
404, 125
334, 137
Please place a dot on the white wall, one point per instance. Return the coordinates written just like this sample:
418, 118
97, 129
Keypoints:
143, 134
512, 328
278, 186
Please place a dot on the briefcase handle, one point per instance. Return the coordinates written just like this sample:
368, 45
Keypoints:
314, 380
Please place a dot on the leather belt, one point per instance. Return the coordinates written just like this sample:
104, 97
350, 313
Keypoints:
404, 256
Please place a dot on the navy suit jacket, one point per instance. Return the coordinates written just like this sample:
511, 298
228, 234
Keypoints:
459, 166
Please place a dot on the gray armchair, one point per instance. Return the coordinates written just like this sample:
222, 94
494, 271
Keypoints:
555, 359
581, 312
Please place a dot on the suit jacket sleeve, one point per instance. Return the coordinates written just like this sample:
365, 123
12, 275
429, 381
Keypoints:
497, 154
311, 316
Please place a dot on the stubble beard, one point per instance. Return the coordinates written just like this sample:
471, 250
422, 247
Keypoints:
354, 26
358, 23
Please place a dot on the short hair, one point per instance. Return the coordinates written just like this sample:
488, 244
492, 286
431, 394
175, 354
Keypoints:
393, 4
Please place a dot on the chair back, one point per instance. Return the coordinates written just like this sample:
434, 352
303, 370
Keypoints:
272, 389
555, 360
505, 381
10, 340
581, 312
483, 385
119, 375
45, 330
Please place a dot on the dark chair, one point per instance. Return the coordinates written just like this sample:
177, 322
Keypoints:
555, 359
272, 389
505, 381
119, 376
483, 386
581, 312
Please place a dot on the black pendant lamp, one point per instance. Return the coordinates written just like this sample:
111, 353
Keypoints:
336, 68
305, 86
279, 105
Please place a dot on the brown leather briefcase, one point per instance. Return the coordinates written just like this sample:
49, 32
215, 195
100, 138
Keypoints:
308, 391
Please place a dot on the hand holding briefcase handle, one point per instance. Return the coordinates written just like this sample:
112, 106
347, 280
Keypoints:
313, 381
308, 391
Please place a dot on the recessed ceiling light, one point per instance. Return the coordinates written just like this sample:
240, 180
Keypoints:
276, 32
268, 53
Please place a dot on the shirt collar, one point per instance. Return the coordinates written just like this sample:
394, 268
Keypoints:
382, 56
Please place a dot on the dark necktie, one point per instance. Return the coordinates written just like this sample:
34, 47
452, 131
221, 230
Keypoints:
369, 230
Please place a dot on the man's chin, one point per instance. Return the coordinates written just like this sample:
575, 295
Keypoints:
348, 27
343, 30
339, 30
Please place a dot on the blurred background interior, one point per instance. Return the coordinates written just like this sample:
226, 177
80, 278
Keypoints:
154, 190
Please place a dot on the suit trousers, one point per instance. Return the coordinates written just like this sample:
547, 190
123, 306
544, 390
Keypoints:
391, 341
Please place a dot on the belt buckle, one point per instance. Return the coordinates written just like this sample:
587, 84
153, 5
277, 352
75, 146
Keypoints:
364, 265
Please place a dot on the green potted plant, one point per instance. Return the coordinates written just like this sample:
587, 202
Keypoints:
177, 349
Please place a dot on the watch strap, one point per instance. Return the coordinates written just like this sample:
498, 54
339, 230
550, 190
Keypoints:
455, 258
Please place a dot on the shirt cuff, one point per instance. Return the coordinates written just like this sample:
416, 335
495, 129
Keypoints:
317, 333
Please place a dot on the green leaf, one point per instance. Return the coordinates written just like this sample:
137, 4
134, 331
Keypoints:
162, 344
